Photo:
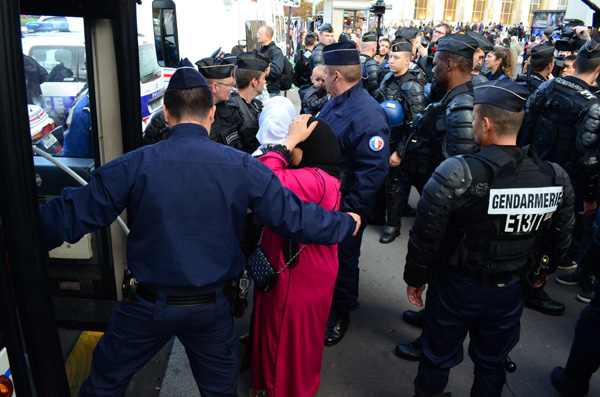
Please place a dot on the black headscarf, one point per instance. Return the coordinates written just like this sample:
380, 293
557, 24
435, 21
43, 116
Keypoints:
321, 149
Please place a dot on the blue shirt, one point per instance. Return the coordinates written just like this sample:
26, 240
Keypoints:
363, 132
77, 141
188, 198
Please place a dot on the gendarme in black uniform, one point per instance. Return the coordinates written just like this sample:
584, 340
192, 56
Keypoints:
407, 91
369, 66
317, 54
445, 129
480, 220
532, 79
218, 72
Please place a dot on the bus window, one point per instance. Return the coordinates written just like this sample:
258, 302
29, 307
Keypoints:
251, 31
165, 33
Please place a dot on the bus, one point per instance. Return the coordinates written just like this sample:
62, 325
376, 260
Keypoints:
195, 30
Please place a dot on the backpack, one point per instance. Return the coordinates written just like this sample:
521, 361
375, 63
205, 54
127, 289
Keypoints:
301, 70
287, 75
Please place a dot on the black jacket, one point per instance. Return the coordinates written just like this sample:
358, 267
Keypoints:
276, 56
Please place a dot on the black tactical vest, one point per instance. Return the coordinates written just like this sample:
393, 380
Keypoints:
510, 201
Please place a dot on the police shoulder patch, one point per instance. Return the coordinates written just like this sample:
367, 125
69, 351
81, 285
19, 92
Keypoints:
376, 143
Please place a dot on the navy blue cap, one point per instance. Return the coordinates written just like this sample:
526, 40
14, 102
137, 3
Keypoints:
326, 27
484, 44
215, 68
186, 76
400, 45
252, 60
407, 33
343, 53
459, 44
590, 50
505, 94
542, 51
369, 36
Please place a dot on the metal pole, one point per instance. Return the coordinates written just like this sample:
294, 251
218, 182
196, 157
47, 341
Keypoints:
20, 216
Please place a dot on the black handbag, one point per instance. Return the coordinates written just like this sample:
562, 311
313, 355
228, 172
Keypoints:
262, 271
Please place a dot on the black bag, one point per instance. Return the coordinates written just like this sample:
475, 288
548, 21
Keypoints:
262, 271
287, 75
301, 70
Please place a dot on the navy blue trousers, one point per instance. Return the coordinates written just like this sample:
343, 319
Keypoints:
491, 315
345, 294
584, 357
138, 330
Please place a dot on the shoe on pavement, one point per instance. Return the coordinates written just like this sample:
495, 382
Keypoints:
336, 331
415, 318
389, 234
545, 306
568, 279
585, 297
572, 266
409, 351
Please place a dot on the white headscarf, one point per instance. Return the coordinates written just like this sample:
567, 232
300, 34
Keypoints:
274, 121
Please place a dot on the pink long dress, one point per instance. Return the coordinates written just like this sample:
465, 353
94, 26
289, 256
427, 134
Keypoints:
289, 320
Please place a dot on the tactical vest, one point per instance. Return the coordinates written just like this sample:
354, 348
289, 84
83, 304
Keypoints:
249, 114
224, 129
509, 203
561, 105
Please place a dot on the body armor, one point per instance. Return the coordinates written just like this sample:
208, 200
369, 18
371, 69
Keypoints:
563, 122
249, 114
369, 73
489, 213
317, 56
530, 81
224, 129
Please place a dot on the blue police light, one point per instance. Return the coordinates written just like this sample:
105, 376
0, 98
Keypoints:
394, 111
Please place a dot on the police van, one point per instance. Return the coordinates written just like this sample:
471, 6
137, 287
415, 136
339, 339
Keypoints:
63, 56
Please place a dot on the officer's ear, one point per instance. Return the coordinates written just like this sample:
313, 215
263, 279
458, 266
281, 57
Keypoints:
211, 114
167, 115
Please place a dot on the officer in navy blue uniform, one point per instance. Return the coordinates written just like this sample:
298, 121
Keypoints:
187, 199
475, 235
362, 128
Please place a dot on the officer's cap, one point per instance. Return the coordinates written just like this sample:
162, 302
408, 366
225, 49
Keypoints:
459, 44
542, 51
326, 27
400, 45
590, 50
344, 53
369, 36
407, 33
252, 60
215, 68
483, 43
505, 94
186, 76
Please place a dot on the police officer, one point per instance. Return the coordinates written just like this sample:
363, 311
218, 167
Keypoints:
218, 72
446, 127
539, 69
409, 34
179, 192
250, 77
404, 88
481, 217
325, 38
584, 357
368, 49
484, 46
563, 123
362, 129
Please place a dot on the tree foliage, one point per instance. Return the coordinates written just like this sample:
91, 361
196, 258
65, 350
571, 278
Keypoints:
305, 8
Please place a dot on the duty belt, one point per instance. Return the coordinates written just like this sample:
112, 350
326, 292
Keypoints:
499, 280
179, 300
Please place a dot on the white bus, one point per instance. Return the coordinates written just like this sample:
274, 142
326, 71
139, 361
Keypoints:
196, 29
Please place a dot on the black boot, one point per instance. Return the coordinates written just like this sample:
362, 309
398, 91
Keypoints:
335, 332
414, 318
409, 351
393, 190
422, 393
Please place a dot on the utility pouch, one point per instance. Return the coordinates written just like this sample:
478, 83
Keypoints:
129, 286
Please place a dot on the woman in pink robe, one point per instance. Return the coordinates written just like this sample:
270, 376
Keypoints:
290, 319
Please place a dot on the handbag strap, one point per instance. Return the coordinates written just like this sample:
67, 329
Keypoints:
305, 245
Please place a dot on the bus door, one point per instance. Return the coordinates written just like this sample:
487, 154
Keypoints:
78, 284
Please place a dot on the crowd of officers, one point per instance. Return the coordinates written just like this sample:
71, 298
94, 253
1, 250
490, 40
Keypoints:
507, 173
